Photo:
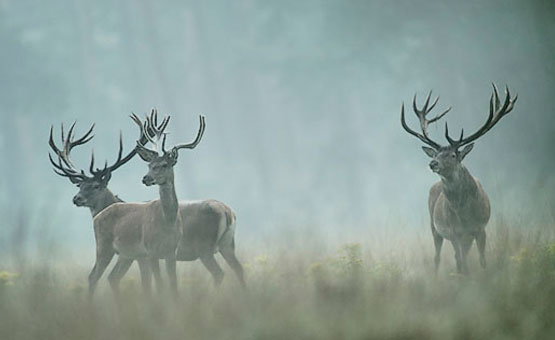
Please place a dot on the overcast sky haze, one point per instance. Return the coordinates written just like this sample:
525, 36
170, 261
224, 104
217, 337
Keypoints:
302, 103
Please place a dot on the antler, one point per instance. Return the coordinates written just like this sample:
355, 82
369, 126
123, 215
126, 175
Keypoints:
193, 144
150, 128
159, 132
421, 114
496, 112
64, 166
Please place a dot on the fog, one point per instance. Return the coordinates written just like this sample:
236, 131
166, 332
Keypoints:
302, 103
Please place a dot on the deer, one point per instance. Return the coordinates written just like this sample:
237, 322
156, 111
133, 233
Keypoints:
458, 205
205, 220
93, 190
207, 226
147, 231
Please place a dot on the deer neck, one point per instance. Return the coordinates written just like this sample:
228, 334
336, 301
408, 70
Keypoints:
105, 199
168, 199
459, 186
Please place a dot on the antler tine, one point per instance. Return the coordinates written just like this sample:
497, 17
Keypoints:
496, 112
425, 107
496, 94
62, 132
51, 142
156, 118
434, 103
164, 142
165, 123
67, 143
200, 133
119, 161
439, 116
91, 166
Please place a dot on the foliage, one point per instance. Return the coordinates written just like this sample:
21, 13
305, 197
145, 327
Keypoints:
293, 295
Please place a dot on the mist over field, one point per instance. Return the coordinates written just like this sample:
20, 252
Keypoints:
303, 140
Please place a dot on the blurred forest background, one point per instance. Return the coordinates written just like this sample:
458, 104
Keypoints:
302, 101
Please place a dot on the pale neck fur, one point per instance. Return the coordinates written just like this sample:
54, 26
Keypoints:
168, 199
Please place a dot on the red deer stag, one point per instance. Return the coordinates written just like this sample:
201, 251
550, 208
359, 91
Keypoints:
93, 191
459, 207
207, 226
148, 230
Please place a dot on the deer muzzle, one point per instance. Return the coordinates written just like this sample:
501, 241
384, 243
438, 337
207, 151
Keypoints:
79, 200
148, 180
434, 165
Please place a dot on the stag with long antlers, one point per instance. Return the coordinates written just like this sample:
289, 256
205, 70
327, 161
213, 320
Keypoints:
207, 226
144, 231
459, 207
93, 191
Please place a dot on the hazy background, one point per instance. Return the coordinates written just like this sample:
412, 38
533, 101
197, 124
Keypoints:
302, 101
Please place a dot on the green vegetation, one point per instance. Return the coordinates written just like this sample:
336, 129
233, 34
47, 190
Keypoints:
359, 291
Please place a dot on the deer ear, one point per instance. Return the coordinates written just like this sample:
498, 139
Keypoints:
172, 156
146, 154
429, 151
74, 180
466, 150
106, 178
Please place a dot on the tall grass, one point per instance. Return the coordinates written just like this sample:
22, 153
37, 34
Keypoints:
365, 290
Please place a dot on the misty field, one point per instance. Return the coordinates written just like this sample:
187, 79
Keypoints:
380, 287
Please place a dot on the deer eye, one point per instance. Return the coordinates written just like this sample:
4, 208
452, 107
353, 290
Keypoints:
453, 155
96, 186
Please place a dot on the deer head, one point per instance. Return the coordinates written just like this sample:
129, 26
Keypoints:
447, 159
160, 166
92, 186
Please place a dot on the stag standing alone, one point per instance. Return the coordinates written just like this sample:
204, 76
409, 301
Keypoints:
459, 207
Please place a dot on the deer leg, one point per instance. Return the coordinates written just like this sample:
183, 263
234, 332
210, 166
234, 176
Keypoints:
146, 277
213, 267
438, 242
481, 244
457, 247
119, 270
155, 267
228, 254
103, 258
466, 244
172, 275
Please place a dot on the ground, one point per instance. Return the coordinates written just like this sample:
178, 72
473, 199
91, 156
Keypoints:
362, 290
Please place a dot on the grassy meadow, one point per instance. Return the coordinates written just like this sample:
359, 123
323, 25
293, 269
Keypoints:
377, 288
